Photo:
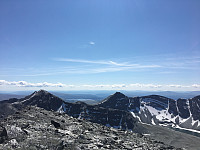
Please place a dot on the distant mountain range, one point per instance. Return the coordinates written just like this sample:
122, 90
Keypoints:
137, 114
5, 96
93, 97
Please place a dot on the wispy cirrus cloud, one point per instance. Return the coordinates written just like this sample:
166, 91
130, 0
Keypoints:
83, 61
166, 65
105, 62
84, 67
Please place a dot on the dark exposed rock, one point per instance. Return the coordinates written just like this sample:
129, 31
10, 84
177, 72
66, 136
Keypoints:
159, 110
43, 99
172, 107
117, 101
109, 117
183, 108
122, 102
56, 124
3, 134
195, 107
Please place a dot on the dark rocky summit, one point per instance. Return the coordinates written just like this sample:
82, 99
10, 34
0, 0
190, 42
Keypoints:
36, 128
43, 99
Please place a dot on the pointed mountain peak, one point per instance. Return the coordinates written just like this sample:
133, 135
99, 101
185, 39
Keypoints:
43, 99
41, 92
118, 94
112, 100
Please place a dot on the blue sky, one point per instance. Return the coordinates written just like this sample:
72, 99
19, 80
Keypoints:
100, 44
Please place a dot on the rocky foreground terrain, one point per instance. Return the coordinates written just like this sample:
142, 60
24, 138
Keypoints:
36, 128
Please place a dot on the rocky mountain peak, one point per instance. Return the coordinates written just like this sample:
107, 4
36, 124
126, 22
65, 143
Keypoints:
41, 92
115, 101
43, 99
118, 94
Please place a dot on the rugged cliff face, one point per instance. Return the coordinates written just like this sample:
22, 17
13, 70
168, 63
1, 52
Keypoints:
158, 110
36, 128
109, 117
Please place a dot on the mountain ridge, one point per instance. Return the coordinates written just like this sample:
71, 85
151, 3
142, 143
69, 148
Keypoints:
152, 109
160, 110
110, 117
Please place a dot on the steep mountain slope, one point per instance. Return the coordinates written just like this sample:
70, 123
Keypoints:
36, 128
43, 99
110, 117
158, 110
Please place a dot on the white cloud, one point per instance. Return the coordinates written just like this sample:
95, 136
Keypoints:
146, 85
28, 84
179, 86
175, 86
92, 43
196, 85
134, 86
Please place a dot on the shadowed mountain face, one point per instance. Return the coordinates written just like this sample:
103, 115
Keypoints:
195, 107
155, 109
40, 98
43, 99
110, 117
121, 102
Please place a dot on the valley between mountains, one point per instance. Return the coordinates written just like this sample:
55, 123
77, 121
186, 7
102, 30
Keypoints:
44, 121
